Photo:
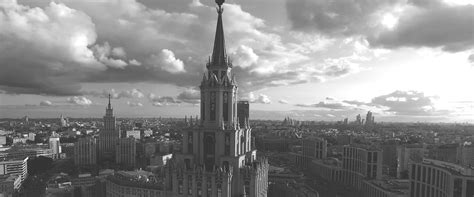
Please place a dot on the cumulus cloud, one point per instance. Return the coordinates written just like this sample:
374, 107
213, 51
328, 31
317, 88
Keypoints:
46, 103
167, 61
388, 23
261, 98
104, 54
335, 18
326, 105
162, 100
190, 96
134, 104
409, 103
445, 26
79, 100
133, 93
46, 49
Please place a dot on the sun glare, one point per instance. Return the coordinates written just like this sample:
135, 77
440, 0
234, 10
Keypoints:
389, 21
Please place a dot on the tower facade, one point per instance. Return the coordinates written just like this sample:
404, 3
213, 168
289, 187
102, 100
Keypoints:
85, 152
109, 135
218, 158
54, 143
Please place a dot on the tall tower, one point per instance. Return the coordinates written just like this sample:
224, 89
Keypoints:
218, 141
54, 143
109, 135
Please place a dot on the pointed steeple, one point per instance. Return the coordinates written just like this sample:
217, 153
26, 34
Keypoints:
109, 106
219, 54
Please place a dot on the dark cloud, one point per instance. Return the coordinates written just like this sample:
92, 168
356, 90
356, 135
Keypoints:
133, 93
46, 103
326, 105
408, 103
190, 96
425, 23
334, 18
448, 27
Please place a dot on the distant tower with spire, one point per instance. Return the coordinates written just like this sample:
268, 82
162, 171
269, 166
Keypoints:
109, 135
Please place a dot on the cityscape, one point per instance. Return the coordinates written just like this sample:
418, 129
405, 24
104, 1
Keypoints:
307, 98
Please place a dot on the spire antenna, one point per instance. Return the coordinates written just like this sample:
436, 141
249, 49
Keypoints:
109, 102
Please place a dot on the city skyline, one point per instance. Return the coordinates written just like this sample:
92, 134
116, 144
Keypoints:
344, 59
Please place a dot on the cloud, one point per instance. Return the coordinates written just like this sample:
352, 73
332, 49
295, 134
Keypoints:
388, 23
46, 103
261, 98
409, 103
283, 101
335, 18
471, 59
444, 26
190, 96
44, 51
167, 61
162, 100
104, 54
326, 105
79, 100
133, 93
134, 104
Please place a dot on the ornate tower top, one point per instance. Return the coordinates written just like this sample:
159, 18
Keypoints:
219, 55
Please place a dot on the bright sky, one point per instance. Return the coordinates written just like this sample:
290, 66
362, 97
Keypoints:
405, 60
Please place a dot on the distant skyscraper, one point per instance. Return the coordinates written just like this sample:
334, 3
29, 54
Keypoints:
62, 121
109, 135
85, 152
243, 112
369, 118
358, 119
54, 143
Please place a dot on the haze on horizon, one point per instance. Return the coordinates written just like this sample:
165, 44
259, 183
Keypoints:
404, 60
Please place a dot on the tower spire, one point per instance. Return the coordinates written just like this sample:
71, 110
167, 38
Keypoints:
219, 54
109, 106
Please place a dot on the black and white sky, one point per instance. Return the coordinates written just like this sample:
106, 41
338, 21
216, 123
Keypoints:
405, 60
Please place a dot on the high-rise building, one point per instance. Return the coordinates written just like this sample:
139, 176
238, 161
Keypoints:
361, 162
440, 179
407, 154
218, 158
109, 135
358, 119
126, 152
313, 148
85, 152
466, 154
54, 143
15, 167
62, 121
369, 119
